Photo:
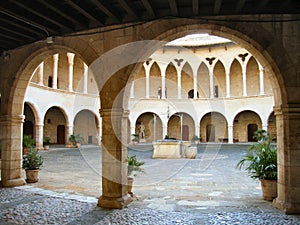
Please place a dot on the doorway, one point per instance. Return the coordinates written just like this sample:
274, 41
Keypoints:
61, 134
210, 133
251, 130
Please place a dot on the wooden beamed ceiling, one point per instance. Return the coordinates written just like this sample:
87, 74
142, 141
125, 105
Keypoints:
23, 22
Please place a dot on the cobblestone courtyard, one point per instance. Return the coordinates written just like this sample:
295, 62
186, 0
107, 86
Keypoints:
206, 190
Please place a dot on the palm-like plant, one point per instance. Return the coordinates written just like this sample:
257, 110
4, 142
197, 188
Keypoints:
134, 165
260, 162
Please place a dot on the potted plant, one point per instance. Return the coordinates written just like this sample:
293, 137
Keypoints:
133, 168
46, 143
32, 162
260, 162
28, 142
76, 140
195, 139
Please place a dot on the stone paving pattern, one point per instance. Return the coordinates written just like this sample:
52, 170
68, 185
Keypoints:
207, 190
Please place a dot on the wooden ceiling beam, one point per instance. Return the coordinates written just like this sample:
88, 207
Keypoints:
128, 9
217, 6
106, 11
66, 16
174, 8
149, 9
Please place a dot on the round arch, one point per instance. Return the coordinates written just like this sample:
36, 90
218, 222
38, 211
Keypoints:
181, 126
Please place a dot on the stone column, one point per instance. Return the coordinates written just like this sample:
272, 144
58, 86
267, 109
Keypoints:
114, 159
195, 84
261, 81
41, 74
230, 134
165, 131
227, 84
288, 144
11, 165
244, 79
132, 90
211, 82
163, 85
147, 81
71, 68
39, 136
55, 71
68, 133
178, 83
197, 130
85, 78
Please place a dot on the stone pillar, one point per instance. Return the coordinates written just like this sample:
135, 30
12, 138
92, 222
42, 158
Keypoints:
71, 68
197, 130
132, 90
227, 84
114, 159
230, 134
132, 129
55, 71
39, 136
68, 133
244, 80
41, 74
163, 85
11, 162
178, 83
261, 81
265, 126
147, 82
165, 131
211, 82
288, 144
85, 78
195, 84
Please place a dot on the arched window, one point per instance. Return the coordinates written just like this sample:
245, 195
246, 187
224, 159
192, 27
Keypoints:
50, 82
191, 94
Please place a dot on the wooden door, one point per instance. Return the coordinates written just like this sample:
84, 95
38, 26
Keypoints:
61, 134
210, 133
251, 130
185, 132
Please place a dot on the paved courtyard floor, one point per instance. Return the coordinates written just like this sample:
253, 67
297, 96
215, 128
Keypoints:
205, 190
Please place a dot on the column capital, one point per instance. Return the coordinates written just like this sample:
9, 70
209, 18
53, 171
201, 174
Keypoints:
114, 112
12, 119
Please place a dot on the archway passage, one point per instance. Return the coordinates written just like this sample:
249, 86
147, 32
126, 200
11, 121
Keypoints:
214, 128
86, 124
181, 126
54, 125
152, 124
29, 122
255, 36
245, 124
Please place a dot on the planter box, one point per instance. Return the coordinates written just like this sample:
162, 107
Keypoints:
167, 149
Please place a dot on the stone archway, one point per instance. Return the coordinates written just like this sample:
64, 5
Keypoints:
255, 37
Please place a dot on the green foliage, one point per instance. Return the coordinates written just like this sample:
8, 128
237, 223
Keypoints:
167, 137
28, 141
76, 138
195, 138
260, 162
46, 141
32, 160
134, 165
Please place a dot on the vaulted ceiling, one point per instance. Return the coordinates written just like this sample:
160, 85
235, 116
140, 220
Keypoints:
23, 21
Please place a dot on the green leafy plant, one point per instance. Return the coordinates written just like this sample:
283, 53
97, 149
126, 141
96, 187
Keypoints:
134, 165
195, 138
167, 136
32, 160
46, 141
260, 162
76, 138
28, 141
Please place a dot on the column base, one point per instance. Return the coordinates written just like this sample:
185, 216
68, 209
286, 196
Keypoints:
13, 182
288, 208
114, 203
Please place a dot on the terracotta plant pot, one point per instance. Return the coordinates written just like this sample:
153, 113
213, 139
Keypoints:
269, 189
32, 176
129, 186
